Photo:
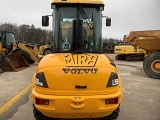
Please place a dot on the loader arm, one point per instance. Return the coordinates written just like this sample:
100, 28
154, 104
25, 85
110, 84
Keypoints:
32, 52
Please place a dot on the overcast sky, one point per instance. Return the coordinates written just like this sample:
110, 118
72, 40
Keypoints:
127, 15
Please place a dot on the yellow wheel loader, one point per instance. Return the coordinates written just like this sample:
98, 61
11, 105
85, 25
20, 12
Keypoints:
15, 55
45, 49
148, 41
77, 80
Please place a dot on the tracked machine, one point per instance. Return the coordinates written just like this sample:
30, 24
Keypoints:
77, 80
129, 53
148, 41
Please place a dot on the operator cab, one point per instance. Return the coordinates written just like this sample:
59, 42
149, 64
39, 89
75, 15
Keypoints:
77, 27
7, 38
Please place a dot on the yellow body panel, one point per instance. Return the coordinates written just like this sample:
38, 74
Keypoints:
90, 106
127, 49
59, 59
2, 50
61, 91
42, 49
79, 1
147, 40
77, 85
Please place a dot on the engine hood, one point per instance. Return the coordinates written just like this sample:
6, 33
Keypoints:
82, 74
76, 60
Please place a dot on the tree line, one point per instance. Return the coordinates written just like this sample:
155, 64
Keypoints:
29, 34
111, 40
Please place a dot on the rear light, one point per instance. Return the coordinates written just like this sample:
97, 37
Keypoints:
111, 101
113, 80
40, 80
42, 101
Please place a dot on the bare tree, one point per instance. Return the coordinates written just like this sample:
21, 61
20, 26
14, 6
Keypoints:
9, 27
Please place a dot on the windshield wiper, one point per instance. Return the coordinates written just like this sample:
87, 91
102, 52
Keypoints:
84, 15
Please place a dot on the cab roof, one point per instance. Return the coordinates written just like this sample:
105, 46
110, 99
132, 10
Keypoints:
78, 1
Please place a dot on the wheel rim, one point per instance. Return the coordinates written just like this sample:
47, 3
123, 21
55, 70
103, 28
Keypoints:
156, 66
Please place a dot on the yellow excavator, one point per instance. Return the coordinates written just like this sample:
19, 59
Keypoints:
15, 55
77, 80
129, 53
148, 41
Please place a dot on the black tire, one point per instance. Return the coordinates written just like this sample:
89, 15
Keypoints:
145, 63
148, 65
112, 116
39, 116
31, 61
48, 51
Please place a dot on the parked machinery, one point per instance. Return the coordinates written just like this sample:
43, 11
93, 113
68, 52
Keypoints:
150, 42
16, 55
45, 49
76, 80
108, 47
129, 53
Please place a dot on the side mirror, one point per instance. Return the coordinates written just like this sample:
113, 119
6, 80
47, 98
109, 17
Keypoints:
108, 21
45, 20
